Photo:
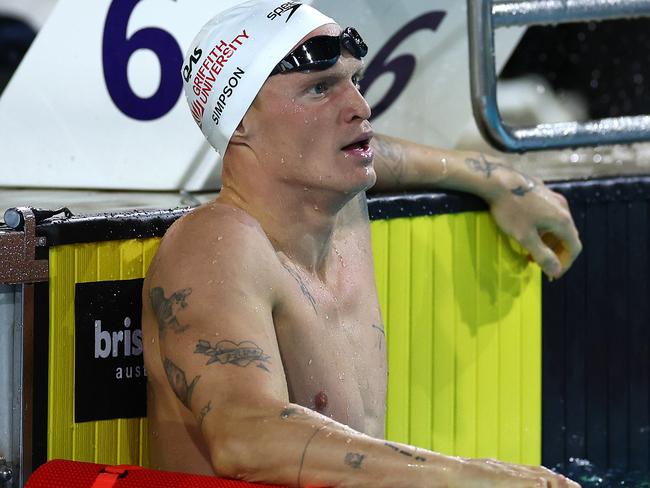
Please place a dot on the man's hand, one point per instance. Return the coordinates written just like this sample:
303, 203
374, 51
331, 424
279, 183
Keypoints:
524, 209
537, 218
490, 473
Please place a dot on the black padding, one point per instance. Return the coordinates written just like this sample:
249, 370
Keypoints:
596, 333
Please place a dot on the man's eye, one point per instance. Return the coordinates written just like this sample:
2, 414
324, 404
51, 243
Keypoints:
319, 88
356, 79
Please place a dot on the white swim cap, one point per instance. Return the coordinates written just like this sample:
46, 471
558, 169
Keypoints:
233, 55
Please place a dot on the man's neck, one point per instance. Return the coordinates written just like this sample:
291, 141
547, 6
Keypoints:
300, 222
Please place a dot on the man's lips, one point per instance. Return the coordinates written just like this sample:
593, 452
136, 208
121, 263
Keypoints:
362, 142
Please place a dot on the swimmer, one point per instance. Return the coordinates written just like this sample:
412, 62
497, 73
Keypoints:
260, 309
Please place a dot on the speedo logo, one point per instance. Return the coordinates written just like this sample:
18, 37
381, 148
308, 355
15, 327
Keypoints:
282, 9
194, 59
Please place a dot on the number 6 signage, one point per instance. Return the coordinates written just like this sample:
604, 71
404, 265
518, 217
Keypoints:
75, 114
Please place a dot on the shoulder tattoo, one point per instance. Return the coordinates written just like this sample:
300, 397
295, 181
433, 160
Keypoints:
165, 308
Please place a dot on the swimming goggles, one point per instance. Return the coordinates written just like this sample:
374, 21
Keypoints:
322, 52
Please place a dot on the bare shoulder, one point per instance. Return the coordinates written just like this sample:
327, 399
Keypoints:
215, 241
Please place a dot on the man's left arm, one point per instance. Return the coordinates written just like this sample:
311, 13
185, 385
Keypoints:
536, 217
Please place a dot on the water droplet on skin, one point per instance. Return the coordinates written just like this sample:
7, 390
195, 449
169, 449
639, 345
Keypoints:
305, 188
282, 161
219, 238
316, 207
309, 363
348, 440
327, 317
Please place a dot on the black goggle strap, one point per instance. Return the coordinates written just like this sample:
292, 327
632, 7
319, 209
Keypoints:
352, 41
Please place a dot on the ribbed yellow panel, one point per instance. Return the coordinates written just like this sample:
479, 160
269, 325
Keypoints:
463, 324
122, 441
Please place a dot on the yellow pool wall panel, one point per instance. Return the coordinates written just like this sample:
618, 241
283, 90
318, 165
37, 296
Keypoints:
462, 308
121, 441
462, 311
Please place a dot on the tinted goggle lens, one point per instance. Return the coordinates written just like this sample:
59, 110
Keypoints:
322, 52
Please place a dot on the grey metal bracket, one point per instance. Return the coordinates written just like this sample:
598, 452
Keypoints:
18, 263
484, 16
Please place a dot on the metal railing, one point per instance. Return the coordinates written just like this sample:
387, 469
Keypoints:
484, 16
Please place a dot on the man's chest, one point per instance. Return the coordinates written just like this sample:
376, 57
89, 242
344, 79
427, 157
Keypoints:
332, 343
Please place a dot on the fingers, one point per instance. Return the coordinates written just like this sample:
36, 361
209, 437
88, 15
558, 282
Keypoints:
543, 255
563, 239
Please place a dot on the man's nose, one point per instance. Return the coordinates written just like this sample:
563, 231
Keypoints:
356, 106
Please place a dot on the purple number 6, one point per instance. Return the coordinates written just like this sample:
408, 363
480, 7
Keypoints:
402, 66
116, 51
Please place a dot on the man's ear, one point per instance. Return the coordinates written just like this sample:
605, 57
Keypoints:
242, 131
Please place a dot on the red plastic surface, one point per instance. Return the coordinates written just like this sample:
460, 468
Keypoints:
73, 474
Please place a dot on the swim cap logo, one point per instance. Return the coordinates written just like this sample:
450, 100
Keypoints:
209, 71
285, 7
194, 59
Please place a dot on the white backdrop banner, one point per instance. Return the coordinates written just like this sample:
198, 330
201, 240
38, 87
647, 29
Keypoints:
96, 102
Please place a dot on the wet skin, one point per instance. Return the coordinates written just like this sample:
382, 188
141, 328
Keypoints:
330, 339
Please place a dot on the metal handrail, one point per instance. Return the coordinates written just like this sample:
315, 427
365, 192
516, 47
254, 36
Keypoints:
486, 15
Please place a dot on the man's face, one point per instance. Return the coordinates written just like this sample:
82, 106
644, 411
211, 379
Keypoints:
312, 127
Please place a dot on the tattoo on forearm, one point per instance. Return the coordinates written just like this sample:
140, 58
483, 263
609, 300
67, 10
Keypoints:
240, 354
382, 336
204, 411
405, 453
303, 287
354, 459
178, 382
166, 308
391, 156
486, 167
304, 451
291, 412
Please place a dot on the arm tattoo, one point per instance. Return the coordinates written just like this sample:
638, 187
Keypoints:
391, 157
178, 382
227, 352
354, 459
303, 287
487, 168
381, 331
405, 453
304, 451
292, 412
204, 411
166, 308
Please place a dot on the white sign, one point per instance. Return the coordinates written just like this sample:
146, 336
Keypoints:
97, 102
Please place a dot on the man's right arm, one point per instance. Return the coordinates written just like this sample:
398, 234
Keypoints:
221, 358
